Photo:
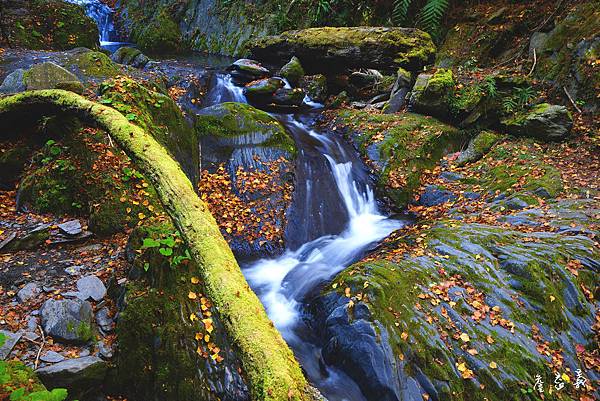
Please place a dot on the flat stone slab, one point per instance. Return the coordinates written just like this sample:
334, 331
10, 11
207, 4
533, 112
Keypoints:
91, 287
10, 340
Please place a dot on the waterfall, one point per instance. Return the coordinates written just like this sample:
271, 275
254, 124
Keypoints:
103, 15
336, 217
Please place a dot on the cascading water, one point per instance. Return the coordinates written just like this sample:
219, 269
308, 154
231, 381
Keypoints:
284, 284
103, 15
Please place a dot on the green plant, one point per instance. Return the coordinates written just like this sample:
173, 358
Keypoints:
167, 247
430, 15
518, 100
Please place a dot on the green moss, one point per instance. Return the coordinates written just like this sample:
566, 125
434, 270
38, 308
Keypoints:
15, 375
411, 144
51, 24
160, 35
231, 120
95, 64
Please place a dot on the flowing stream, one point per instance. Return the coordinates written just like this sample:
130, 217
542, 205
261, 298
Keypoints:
103, 15
334, 220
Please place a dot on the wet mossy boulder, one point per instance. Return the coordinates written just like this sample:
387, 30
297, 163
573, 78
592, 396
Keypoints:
245, 70
430, 93
159, 115
330, 49
51, 76
478, 147
262, 91
47, 24
292, 71
171, 342
130, 56
160, 35
239, 144
93, 64
398, 147
543, 121
464, 316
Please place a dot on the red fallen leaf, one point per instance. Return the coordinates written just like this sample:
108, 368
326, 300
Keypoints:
580, 349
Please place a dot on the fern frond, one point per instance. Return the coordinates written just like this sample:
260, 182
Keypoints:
432, 14
400, 11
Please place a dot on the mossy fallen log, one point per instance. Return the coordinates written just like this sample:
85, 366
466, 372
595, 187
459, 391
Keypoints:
271, 369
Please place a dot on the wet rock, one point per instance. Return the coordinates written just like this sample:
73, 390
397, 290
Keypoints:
430, 93
13, 82
130, 56
81, 375
263, 90
10, 340
104, 320
105, 351
51, 76
91, 287
67, 319
330, 49
30, 240
289, 97
478, 147
315, 87
30, 290
246, 70
72, 227
451, 176
292, 71
433, 196
544, 121
52, 357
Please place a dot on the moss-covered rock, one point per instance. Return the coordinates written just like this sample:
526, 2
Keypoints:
292, 71
51, 76
47, 24
478, 147
93, 64
160, 35
399, 147
543, 121
172, 344
15, 375
331, 49
159, 115
464, 316
130, 56
431, 92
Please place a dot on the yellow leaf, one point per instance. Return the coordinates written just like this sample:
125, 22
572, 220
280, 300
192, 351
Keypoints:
404, 335
566, 378
465, 337
347, 292
192, 295
461, 367
193, 317
493, 365
198, 336
552, 298
206, 338
195, 280
334, 285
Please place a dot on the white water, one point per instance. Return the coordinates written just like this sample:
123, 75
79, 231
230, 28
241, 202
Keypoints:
284, 283
103, 15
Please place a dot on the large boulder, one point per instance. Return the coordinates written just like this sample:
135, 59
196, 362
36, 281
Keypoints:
130, 56
81, 376
477, 312
90, 65
431, 92
240, 144
330, 49
245, 70
544, 121
14, 82
51, 76
68, 320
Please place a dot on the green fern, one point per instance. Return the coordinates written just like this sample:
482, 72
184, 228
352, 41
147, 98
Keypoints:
400, 11
431, 16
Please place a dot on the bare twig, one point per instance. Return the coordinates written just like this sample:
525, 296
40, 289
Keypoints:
110, 141
37, 358
534, 62
571, 99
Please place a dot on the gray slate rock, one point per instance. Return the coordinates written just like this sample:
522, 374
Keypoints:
67, 319
52, 357
433, 196
104, 320
130, 56
544, 121
80, 375
91, 287
29, 291
11, 339
13, 83
72, 227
